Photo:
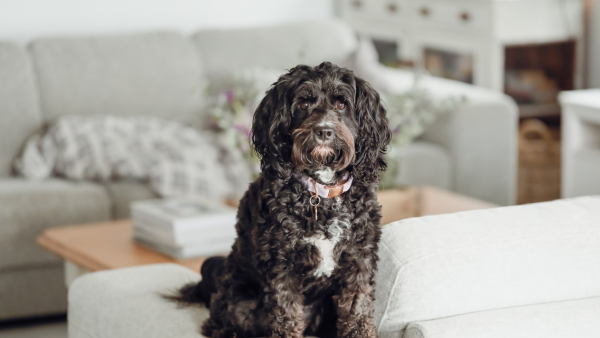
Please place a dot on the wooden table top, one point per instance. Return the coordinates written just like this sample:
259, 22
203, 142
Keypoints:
104, 246
397, 204
109, 245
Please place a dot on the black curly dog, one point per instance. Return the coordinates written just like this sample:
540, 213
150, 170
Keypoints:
290, 272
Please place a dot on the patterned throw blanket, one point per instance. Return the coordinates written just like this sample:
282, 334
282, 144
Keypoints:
174, 159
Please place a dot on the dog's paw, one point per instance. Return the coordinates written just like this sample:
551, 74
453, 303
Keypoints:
286, 336
362, 327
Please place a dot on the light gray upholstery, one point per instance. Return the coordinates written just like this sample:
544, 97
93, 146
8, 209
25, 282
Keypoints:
19, 107
122, 193
35, 290
484, 158
576, 318
441, 266
127, 303
425, 163
279, 47
29, 207
156, 74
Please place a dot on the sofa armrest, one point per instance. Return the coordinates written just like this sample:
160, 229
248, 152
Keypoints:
575, 318
448, 265
481, 136
127, 303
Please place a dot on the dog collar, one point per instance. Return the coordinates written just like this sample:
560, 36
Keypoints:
327, 191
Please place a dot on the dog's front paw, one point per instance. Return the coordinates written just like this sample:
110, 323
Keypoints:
287, 335
362, 327
289, 329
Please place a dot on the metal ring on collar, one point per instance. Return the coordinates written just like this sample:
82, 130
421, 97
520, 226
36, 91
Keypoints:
318, 200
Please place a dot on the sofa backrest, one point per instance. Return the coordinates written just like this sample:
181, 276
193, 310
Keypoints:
19, 105
160, 74
157, 74
226, 51
442, 266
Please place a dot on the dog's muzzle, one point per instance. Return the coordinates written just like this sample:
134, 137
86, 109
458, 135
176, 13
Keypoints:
323, 142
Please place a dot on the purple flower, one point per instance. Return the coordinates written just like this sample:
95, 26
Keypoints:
242, 129
229, 95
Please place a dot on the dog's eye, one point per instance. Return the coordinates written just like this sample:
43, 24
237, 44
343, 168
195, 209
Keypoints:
339, 105
304, 105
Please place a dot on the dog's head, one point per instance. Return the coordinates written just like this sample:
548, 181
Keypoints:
317, 118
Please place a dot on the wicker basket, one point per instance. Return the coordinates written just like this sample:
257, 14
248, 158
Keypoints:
539, 163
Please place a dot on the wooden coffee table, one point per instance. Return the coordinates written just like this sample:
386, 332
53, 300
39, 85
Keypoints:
103, 246
109, 245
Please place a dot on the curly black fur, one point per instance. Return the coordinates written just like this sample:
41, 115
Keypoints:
274, 282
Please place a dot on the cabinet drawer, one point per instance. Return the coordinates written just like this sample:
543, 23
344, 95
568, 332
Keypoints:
454, 15
378, 9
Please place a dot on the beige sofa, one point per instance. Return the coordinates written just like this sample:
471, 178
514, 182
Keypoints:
471, 151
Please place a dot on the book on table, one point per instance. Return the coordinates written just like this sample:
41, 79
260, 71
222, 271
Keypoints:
184, 227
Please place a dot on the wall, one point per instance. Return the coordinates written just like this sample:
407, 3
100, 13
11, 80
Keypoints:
22, 20
593, 61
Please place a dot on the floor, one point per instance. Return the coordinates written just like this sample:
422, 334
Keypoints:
54, 327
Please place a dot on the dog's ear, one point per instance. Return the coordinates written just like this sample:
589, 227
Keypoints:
271, 137
374, 133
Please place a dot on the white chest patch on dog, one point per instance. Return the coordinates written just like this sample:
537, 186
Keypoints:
326, 246
326, 175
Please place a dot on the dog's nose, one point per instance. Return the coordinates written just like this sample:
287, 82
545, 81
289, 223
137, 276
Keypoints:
324, 133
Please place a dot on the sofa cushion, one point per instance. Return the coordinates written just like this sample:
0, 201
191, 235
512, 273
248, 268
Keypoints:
29, 207
128, 303
425, 163
156, 74
226, 51
439, 266
19, 106
122, 193
36, 291
576, 318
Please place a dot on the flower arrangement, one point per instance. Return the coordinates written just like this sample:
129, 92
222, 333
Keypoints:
230, 112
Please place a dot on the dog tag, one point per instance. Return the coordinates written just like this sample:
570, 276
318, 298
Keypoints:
318, 201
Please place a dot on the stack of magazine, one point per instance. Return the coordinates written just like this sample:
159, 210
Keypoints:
184, 227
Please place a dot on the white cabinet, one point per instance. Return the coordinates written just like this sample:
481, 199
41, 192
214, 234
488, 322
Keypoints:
580, 143
466, 39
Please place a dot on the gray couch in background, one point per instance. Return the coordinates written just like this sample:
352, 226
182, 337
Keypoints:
471, 151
